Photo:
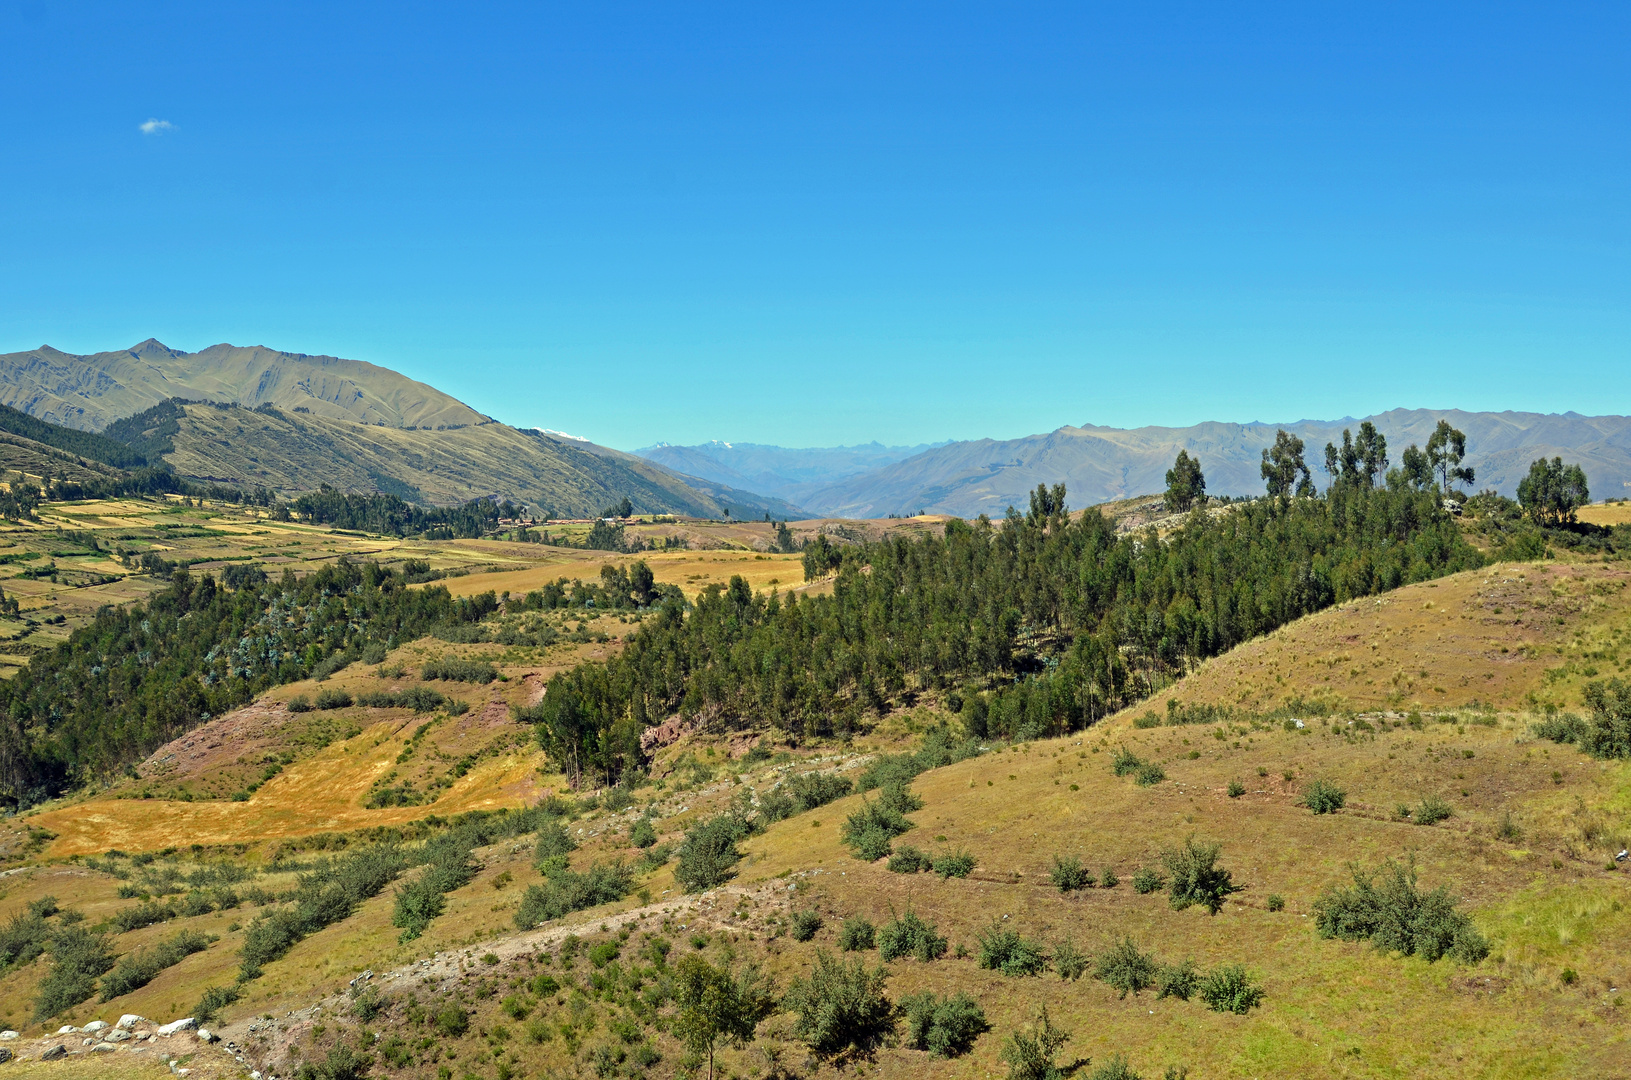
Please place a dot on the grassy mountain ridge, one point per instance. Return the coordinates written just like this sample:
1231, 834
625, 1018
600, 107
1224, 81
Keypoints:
294, 452
91, 391
1103, 463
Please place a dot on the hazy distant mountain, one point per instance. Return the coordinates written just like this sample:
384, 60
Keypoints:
790, 474
90, 392
1100, 463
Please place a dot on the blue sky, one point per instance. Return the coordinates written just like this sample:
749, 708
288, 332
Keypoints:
839, 223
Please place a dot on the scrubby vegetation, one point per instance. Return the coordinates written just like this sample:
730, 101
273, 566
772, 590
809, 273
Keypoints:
944, 1026
1195, 876
1397, 916
840, 1006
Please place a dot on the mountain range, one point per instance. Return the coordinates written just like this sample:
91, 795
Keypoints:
291, 421
1098, 464
257, 417
794, 475
90, 392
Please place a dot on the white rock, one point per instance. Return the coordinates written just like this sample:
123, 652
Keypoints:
116, 1035
178, 1025
95, 1025
129, 1020
8, 1034
103, 1048
206, 1035
66, 1029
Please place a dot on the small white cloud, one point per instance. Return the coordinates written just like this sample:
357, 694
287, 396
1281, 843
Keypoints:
156, 127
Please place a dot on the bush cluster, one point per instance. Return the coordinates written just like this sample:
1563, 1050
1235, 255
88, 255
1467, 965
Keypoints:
78, 957
944, 1026
910, 935
840, 1006
805, 791
567, 891
857, 934
1003, 949
1397, 916
870, 831
1196, 877
456, 669
1323, 797
136, 969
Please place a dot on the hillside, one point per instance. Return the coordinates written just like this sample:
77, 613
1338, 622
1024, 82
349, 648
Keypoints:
1526, 851
294, 452
90, 392
1099, 464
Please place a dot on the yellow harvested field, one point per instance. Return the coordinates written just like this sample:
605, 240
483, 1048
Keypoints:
691, 571
1606, 513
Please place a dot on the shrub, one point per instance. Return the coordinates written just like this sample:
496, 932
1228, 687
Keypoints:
1069, 961
708, 857
78, 956
1146, 881
299, 703
1108, 879
910, 935
1323, 797
1276, 902
953, 864
455, 669
568, 891
1125, 968
1030, 1057
642, 834
805, 925
1177, 980
1397, 916
1068, 875
368, 1005
373, 653
452, 1021
22, 939
144, 914
1149, 774
1236, 789
1114, 1067
1432, 810
812, 789
333, 698
945, 1027
1229, 989
1566, 728
909, 860
1003, 949
214, 1000
553, 840
1125, 762
136, 969
870, 831
856, 934
840, 1006
1196, 877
